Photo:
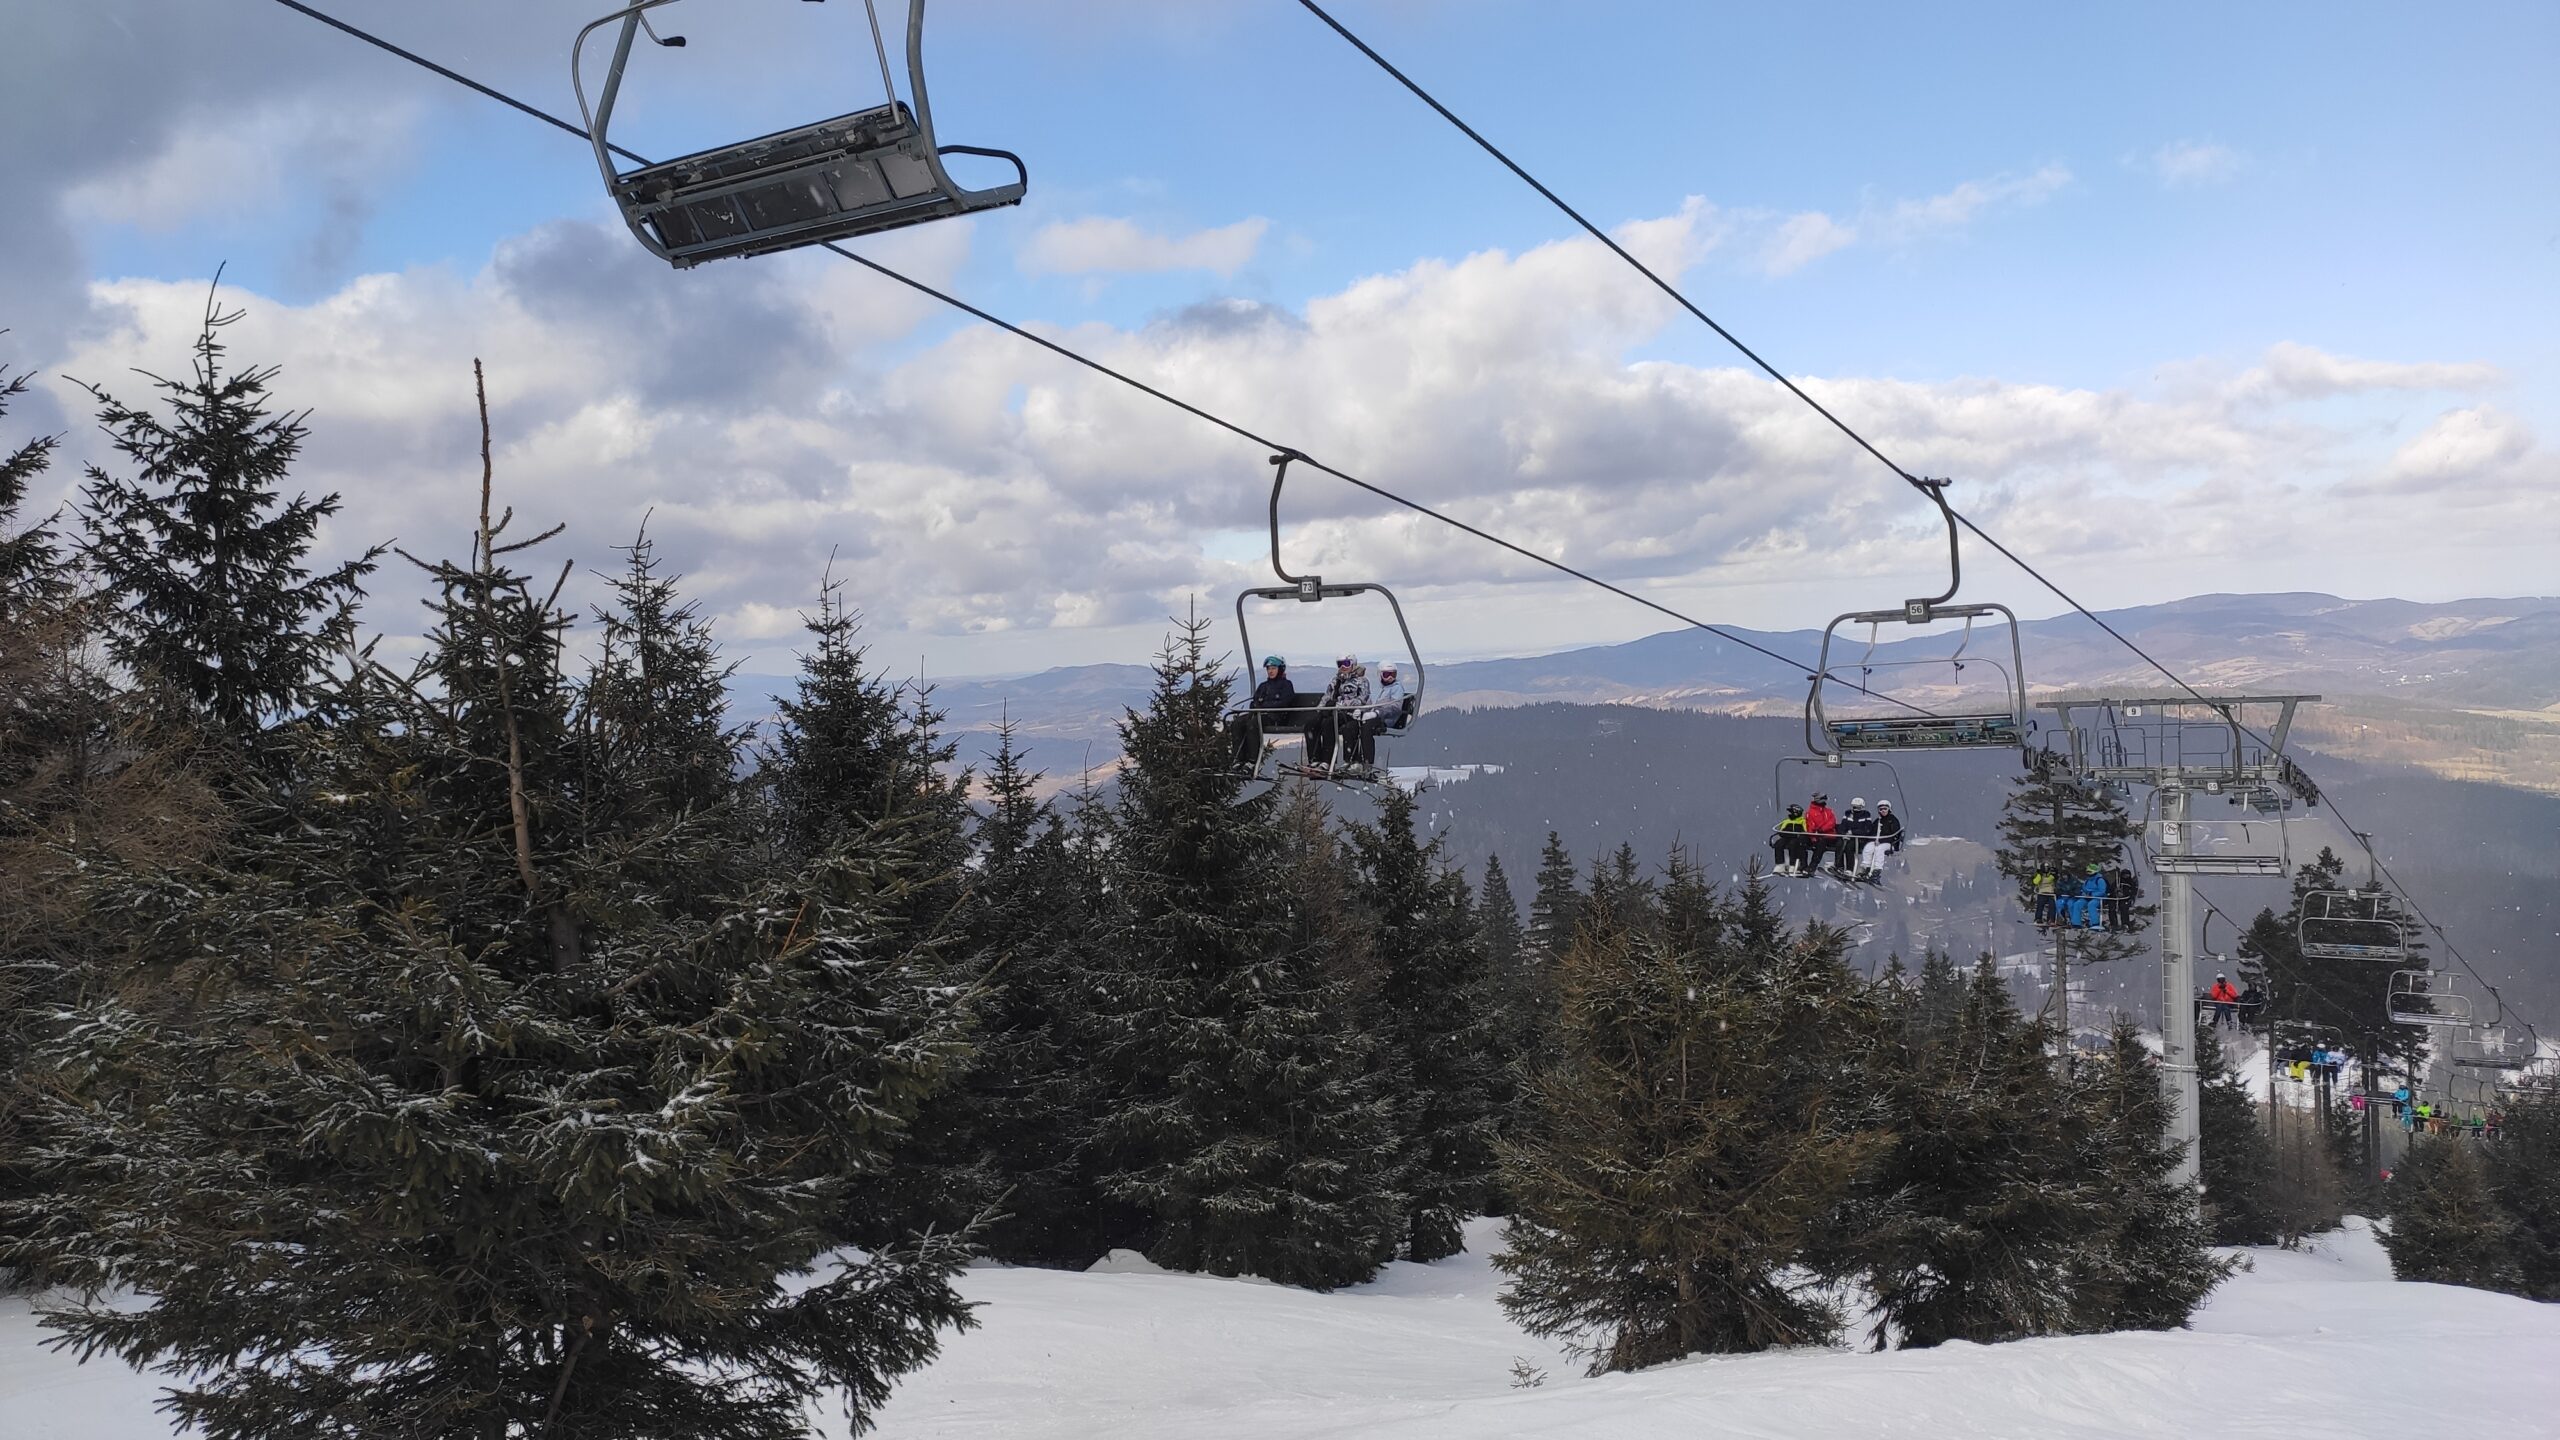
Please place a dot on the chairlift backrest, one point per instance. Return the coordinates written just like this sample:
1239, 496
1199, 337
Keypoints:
857, 174
1974, 727
2426, 997
1910, 727
2350, 925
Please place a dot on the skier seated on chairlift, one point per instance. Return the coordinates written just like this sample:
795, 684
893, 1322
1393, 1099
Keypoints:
1789, 846
1884, 837
1857, 837
2253, 1001
1345, 694
2048, 892
2084, 910
2124, 889
1274, 693
1822, 832
2225, 1002
1383, 713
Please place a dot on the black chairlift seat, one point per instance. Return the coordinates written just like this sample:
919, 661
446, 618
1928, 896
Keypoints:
858, 174
2350, 925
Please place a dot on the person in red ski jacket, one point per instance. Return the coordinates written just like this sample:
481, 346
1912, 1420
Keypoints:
1822, 831
2225, 1001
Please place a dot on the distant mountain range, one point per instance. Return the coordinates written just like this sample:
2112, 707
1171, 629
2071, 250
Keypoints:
2468, 689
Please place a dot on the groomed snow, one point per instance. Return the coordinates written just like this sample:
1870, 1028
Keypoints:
2321, 1344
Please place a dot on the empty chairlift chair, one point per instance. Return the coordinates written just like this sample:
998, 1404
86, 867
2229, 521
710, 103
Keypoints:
858, 174
2427, 997
1880, 723
2351, 925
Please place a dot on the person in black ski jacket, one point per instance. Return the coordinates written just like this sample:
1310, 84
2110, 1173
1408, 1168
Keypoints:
1857, 827
1888, 827
1275, 693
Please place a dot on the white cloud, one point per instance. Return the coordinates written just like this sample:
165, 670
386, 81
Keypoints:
1788, 245
1002, 508
1956, 208
2294, 371
1103, 244
1802, 239
2182, 163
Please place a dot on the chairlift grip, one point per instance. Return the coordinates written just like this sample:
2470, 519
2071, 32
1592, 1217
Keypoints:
1279, 478
1921, 612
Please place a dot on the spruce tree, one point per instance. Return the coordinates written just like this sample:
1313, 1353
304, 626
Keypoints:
206, 566
657, 699
1517, 995
448, 1124
1248, 1128
2054, 823
2446, 1223
1429, 1014
85, 778
2242, 1202
2524, 1179
1970, 1227
1695, 1136
2149, 1267
850, 751
1555, 906
1032, 1098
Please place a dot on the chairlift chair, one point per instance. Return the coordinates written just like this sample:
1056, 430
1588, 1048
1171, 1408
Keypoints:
2180, 852
1973, 729
2415, 998
2350, 925
1311, 590
1876, 777
858, 174
2496, 1047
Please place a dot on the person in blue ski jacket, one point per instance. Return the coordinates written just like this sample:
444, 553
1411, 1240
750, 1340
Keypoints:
2087, 906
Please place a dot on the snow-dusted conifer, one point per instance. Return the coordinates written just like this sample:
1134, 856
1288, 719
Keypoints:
1248, 1129
1690, 1145
1429, 1013
446, 1123
2524, 1178
1969, 1227
205, 566
1032, 1098
2149, 1266
2234, 1158
2446, 1223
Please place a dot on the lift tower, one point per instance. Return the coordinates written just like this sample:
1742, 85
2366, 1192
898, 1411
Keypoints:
2226, 747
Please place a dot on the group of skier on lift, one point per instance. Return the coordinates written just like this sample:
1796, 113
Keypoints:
1853, 845
1342, 723
2102, 899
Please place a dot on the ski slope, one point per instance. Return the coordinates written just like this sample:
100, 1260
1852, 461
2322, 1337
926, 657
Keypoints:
2322, 1343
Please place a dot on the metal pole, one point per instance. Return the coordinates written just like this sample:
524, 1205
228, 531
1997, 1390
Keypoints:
2178, 986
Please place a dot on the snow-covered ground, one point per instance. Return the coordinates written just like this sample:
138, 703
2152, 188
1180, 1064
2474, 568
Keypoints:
2322, 1343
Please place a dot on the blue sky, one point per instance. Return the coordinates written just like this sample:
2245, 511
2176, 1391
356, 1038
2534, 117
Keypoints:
2193, 297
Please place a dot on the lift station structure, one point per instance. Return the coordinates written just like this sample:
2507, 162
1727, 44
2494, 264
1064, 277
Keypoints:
2183, 749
